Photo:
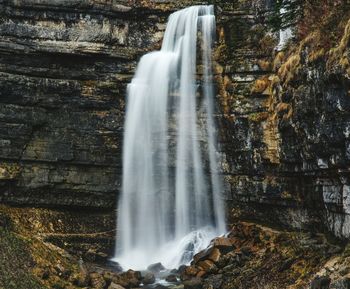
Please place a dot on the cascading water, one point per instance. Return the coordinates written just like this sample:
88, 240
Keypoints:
170, 205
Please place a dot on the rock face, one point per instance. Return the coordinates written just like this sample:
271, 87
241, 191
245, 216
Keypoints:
64, 68
284, 122
284, 130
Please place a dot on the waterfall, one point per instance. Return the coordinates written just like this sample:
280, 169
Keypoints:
170, 206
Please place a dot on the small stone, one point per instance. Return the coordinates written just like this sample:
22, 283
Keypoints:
115, 286
156, 268
149, 278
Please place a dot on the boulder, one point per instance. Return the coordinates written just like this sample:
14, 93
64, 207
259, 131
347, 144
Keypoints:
211, 253
207, 266
223, 244
148, 278
156, 268
215, 255
114, 266
128, 279
171, 278
189, 272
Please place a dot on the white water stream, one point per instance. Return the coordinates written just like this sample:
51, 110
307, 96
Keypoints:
170, 206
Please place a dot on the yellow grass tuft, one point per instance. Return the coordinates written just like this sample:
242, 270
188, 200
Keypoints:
289, 69
260, 85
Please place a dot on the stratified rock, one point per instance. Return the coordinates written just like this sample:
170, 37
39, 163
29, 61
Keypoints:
223, 244
211, 253
207, 266
189, 272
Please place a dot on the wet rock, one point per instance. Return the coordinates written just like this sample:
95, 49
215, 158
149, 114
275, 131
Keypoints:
320, 282
148, 278
171, 278
211, 253
189, 272
128, 279
159, 286
181, 269
156, 268
114, 266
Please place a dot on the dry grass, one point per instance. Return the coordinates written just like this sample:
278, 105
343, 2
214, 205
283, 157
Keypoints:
264, 65
338, 55
278, 61
260, 85
289, 70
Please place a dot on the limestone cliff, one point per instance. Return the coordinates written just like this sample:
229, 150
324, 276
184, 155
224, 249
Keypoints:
284, 117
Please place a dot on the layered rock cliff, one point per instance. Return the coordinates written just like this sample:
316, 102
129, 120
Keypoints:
286, 118
283, 118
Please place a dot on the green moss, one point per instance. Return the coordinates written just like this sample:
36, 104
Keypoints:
15, 263
258, 116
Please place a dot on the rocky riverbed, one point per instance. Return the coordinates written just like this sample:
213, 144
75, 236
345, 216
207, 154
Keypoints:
249, 256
